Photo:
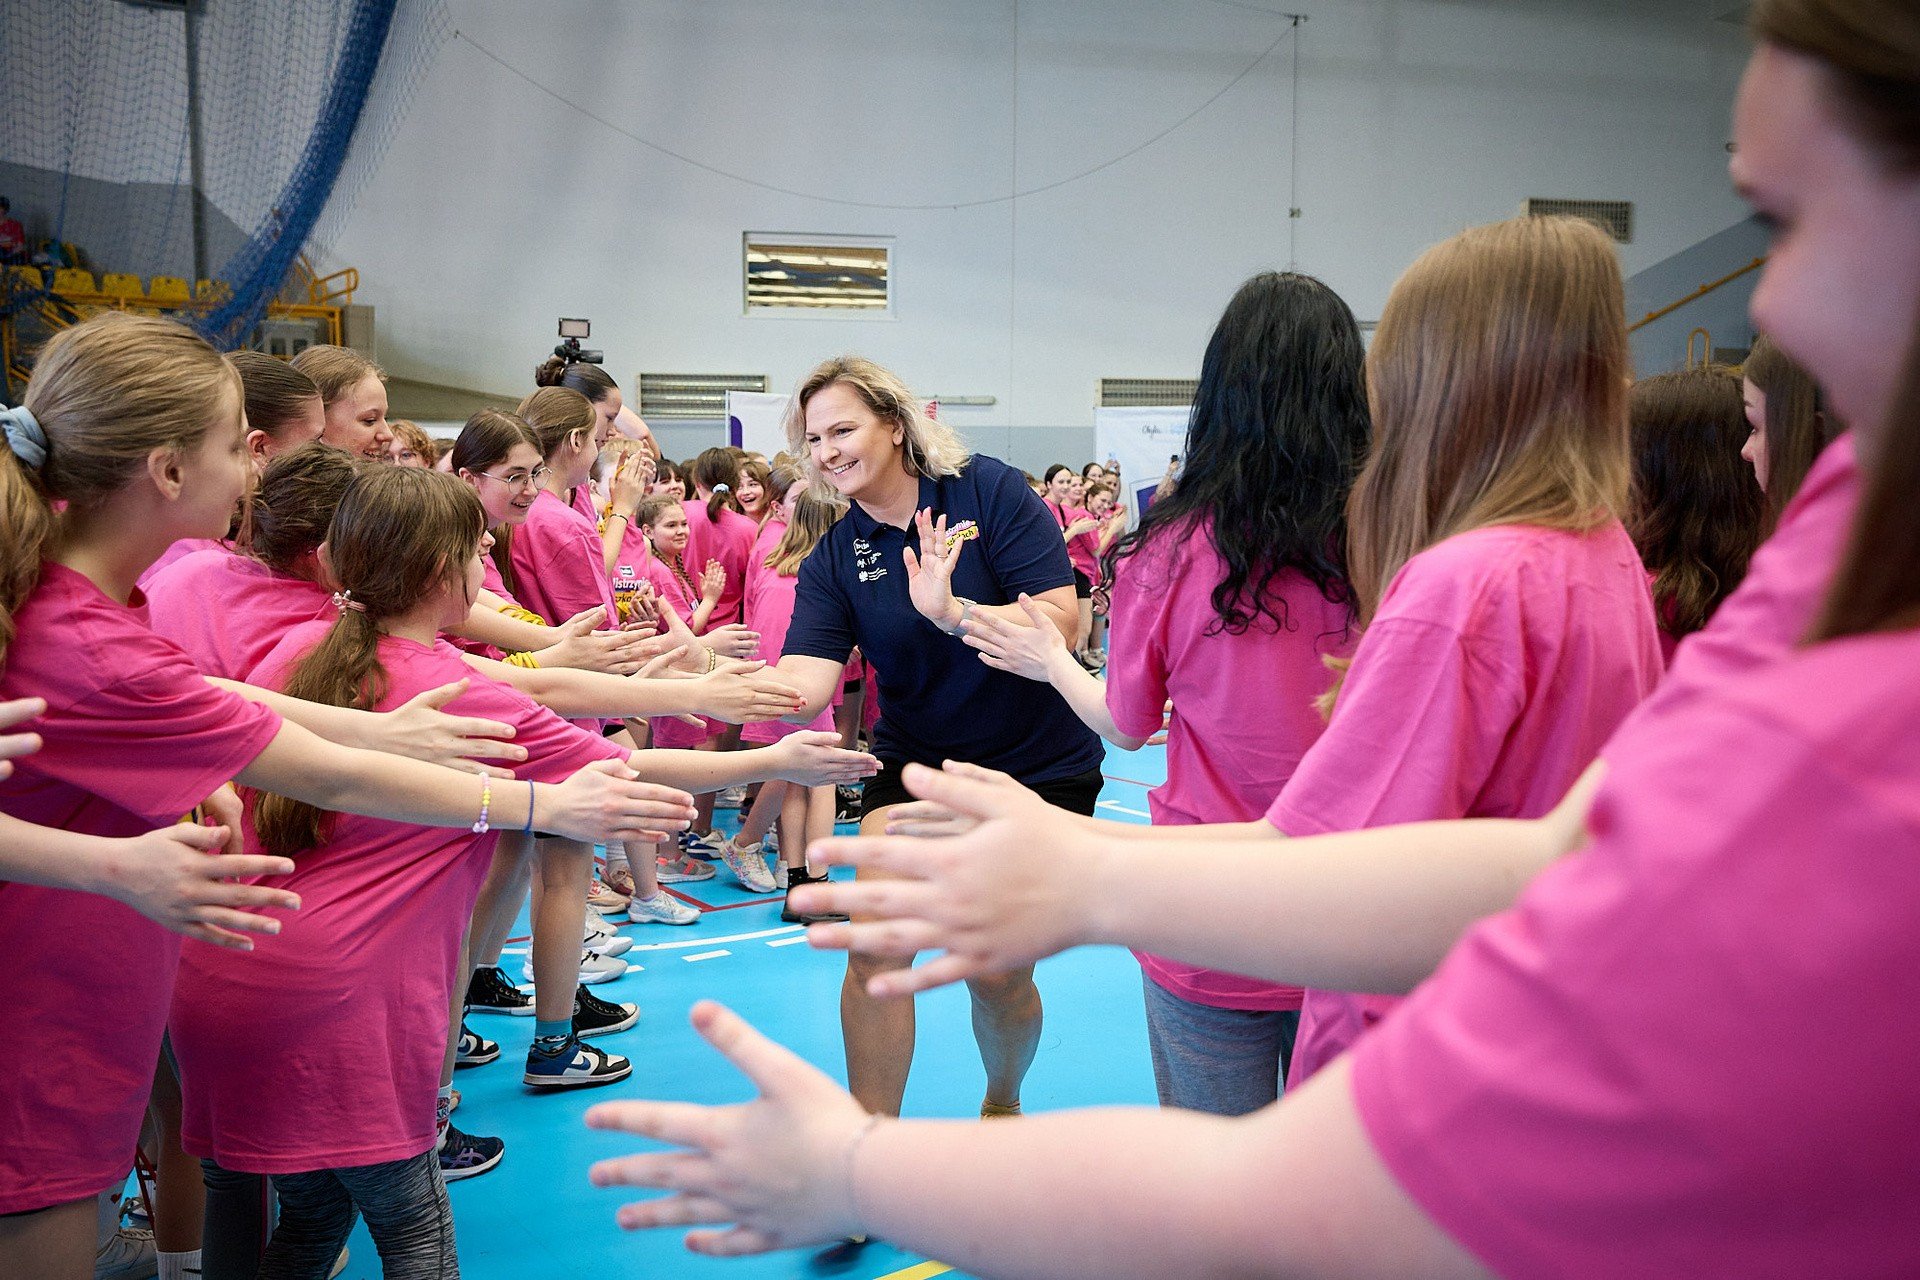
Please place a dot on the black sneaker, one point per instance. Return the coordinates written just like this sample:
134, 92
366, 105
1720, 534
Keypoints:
489, 991
795, 878
475, 1050
463, 1155
593, 1016
838, 1256
569, 1064
846, 803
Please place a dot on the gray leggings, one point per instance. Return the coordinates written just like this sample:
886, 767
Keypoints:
1225, 1062
403, 1201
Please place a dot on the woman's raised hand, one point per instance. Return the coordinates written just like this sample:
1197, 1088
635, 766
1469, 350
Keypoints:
930, 573
778, 1168
1007, 646
984, 897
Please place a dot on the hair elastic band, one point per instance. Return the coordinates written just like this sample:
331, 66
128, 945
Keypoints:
24, 437
343, 601
723, 488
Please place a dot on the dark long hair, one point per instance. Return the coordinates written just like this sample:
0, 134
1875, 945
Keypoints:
1796, 428
1697, 513
1279, 431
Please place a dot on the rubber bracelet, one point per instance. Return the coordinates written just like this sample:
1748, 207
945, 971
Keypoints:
528, 829
480, 827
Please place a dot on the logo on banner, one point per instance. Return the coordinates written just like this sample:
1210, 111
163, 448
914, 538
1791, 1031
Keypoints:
866, 561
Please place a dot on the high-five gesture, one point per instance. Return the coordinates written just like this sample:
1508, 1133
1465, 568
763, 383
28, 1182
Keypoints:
930, 573
778, 1169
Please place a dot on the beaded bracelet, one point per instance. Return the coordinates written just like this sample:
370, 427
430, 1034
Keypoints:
480, 827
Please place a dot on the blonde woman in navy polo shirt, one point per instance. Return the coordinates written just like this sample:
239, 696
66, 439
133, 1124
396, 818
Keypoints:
935, 536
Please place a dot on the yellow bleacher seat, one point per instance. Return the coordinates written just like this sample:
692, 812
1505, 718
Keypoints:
19, 277
168, 289
211, 290
118, 284
74, 280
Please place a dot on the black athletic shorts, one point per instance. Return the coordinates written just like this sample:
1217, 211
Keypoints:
1075, 794
1082, 586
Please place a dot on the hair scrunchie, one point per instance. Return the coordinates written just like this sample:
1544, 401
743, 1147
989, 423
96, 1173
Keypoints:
723, 488
344, 601
24, 437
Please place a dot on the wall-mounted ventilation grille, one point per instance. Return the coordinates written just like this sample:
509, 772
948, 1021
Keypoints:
1119, 393
1614, 216
693, 395
817, 273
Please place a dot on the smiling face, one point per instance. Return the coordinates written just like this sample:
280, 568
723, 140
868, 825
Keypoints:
668, 533
507, 500
1837, 293
752, 497
357, 421
851, 445
1060, 488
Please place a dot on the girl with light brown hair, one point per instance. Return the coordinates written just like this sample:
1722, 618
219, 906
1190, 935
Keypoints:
353, 390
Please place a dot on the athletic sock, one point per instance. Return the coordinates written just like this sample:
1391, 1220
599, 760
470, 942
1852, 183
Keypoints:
443, 1110
180, 1266
549, 1036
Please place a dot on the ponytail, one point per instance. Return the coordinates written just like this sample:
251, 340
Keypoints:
343, 671
718, 472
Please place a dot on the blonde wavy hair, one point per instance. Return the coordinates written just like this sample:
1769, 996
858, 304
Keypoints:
931, 447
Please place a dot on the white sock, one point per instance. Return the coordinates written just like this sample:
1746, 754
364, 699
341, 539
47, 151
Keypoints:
180, 1266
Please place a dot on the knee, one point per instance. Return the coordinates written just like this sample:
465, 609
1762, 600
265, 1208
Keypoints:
863, 968
1003, 988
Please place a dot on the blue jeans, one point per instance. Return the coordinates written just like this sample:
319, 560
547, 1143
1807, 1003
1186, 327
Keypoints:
1225, 1062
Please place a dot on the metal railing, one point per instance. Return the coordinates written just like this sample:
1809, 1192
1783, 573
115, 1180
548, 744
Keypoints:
1697, 294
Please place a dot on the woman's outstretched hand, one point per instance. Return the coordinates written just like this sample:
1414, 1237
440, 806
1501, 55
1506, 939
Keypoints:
1020, 885
930, 573
778, 1169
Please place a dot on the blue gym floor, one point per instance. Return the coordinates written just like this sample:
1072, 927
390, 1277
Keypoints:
536, 1214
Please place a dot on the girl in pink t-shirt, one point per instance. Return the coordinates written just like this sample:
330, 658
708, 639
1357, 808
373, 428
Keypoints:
1228, 600
1082, 534
805, 814
136, 737
716, 530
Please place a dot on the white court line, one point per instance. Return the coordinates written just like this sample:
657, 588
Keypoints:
787, 942
707, 955
1120, 808
708, 942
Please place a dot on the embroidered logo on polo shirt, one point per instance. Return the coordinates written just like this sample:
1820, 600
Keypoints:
866, 561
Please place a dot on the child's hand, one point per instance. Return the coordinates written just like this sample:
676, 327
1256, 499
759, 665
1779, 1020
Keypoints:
713, 581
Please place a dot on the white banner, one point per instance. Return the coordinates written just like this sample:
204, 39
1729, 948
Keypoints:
754, 421
1141, 440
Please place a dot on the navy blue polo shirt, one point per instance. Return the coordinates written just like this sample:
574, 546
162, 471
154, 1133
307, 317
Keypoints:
938, 700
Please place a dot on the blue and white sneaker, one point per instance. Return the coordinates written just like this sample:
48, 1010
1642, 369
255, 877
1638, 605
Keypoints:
706, 848
570, 1064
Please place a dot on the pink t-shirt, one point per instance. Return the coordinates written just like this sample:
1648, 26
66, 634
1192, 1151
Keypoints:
135, 738
728, 540
1498, 663
322, 1048
178, 551
770, 612
1083, 549
763, 544
559, 566
1689, 1049
1243, 711
669, 731
629, 576
228, 611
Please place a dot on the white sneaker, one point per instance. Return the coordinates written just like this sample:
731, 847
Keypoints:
129, 1255
706, 848
780, 877
603, 939
749, 866
661, 908
593, 968
731, 798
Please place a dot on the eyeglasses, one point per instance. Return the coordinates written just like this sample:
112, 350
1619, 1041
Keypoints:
522, 480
